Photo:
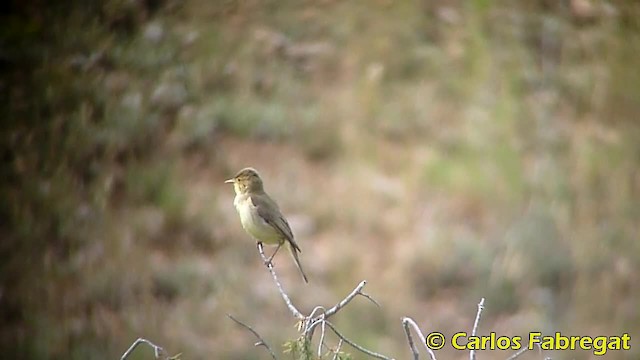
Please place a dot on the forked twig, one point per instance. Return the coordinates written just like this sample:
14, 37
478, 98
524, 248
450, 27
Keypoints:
157, 350
355, 292
406, 321
310, 322
260, 342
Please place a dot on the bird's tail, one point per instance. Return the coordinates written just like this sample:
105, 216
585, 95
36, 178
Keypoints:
294, 253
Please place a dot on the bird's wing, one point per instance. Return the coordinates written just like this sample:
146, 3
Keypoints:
270, 213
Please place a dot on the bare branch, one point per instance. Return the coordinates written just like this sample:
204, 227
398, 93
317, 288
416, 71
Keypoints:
312, 321
260, 342
356, 346
472, 352
406, 321
296, 313
346, 300
157, 350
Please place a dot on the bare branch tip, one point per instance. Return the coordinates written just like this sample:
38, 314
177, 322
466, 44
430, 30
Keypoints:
260, 341
157, 350
370, 299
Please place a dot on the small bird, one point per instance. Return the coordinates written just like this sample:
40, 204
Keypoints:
260, 216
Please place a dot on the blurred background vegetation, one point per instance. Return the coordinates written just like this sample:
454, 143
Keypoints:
442, 150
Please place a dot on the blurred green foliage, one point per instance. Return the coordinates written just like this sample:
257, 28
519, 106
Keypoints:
299, 349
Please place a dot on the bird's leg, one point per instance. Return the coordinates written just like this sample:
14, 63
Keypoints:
274, 254
260, 246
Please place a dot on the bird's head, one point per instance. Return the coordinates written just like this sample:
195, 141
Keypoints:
246, 180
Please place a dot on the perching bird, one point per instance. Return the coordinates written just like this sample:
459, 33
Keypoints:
260, 216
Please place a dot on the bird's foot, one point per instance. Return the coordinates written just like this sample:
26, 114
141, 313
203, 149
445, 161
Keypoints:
269, 262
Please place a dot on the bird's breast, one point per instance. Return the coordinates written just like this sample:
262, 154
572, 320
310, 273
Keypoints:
253, 223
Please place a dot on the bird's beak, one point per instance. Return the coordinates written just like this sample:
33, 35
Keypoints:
230, 181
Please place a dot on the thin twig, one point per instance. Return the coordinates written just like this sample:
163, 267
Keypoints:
412, 345
370, 298
260, 342
312, 325
406, 321
296, 313
322, 332
520, 352
335, 354
356, 346
541, 352
472, 352
329, 348
157, 350
312, 322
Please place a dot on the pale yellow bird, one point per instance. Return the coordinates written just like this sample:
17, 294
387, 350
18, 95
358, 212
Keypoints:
260, 216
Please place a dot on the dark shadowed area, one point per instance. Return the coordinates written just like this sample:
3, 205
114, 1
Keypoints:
442, 150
